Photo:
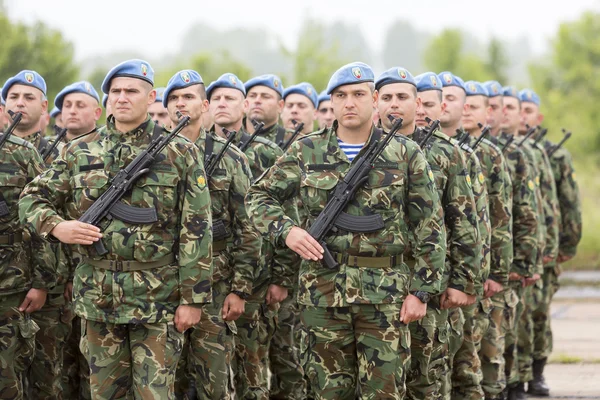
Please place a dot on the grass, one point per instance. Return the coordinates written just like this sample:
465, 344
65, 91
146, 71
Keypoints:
562, 358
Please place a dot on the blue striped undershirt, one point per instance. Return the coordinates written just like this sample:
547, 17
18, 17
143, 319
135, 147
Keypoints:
351, 150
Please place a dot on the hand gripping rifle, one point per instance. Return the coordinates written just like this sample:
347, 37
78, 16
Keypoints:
108, 205
333, 216
16, 118
258, 129
297, 131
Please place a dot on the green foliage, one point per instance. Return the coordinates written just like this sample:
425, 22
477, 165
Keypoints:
496, 63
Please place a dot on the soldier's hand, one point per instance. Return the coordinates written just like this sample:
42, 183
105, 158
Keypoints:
513, 276
186, 317
455, 298
412, 309
75, 232
491, 287
531, 281
563, 258
68, 295
34, 300
276, 294
547, 259
233, 307
303, 244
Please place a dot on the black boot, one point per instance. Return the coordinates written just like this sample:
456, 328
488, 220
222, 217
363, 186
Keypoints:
517, 392
538, 386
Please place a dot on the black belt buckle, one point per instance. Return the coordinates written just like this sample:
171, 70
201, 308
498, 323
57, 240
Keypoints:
11, 239
118, 265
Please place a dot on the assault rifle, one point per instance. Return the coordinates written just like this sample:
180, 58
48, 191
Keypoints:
433, 125
297, 131
258, 129
484, 132
530, 131
563, 140
47, 152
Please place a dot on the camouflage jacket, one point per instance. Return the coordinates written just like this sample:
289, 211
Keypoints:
40, 142
175, 187
524, 222
400, 189
453, 183
568, 199
499, 189
274, 133
27, 263
233, 269
549, 196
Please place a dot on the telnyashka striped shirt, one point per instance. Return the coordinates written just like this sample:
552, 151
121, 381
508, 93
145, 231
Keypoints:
351, 150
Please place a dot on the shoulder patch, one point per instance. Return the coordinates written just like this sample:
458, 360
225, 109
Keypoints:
481, 178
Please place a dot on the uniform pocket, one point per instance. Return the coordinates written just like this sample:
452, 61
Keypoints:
156, 189
315, 189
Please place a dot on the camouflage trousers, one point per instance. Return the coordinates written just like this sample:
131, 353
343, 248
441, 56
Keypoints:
466, 367
76, 371
208, 356
43, 379
287, 375
511, 338
17, 343
542, 331
251, 360
428, 353
360, 351
491, 353
131, 360
456, 321
525, 335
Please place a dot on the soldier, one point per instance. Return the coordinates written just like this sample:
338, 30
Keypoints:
138, 299
28, 265
43, 378
80, 109
524, 231
158, 113
2, 116
55, 114
325, 115
356, 314
256, 325
398, 97
235, 243
300, 105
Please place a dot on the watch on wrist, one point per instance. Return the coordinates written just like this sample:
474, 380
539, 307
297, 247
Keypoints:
241, 295
423, 296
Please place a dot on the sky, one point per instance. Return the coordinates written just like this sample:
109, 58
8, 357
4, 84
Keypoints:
156, 27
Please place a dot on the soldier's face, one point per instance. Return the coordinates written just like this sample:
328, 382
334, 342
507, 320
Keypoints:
454, 98
188, 101
129, 99
512, 115
475, 113
264, 105
398, 100
226, 106
531, 116
431, 107
496, 114
44, 121
299, 108
58, 121
353, 106
325, 115
80, 112
29, 101
159, 113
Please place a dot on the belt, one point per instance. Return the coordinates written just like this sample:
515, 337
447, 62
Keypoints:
11, 238
368, 262
219, 246
128, 266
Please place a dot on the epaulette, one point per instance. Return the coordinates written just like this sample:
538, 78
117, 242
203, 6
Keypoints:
22, 142
441, 135
492, 145
265, 141
464, 146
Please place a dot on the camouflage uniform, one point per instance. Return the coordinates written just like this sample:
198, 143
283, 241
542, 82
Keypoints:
235, 258
356, 344
128, 303
429, 336
27, 262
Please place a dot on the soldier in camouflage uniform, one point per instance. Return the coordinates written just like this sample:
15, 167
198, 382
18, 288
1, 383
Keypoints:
299, 105
28, 264
158, 112
325, 115
43, 379
274, 274
264, 104
524, 229
429, 337
236, 245
137, 300
356, 315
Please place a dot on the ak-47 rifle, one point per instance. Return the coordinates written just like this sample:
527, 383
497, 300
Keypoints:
484, 132
47, 152
333, 214
108, 204
508, 142
297, 131
16, 118
213, 160
433, 126
530, 131
539, 137
258, 128
563, 140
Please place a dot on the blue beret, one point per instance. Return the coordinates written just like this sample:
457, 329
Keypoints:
104, 100
77, 87
510, 92
305, 89
180, 80
323, 96
474, 88
135, 68
428, 81
394, 75
350, 74
160, 91
2, 98
227, 80
494, 88
268, 80
25, 77
55, 111
449, 79
529, 96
